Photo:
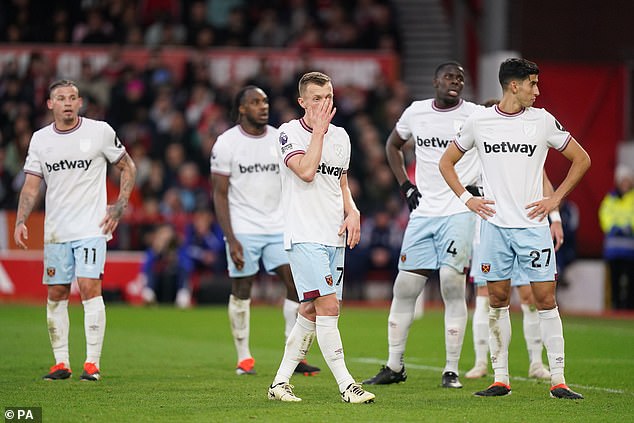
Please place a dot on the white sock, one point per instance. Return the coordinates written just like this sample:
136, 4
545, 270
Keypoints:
297, 345
329, 340
532, 333
239, 316
95, 328
499, 340
452, 288
289, 309
481, 330
58, 327
553, 335
407, 286
419, 307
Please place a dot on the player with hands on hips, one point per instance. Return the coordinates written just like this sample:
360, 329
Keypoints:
512, 140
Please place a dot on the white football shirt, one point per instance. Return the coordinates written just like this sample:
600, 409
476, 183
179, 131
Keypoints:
512, 149
313, 211
255, 188
432, 129
73, 163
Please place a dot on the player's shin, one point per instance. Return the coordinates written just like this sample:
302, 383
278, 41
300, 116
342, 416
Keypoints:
331, 347
95, 328
58, 328
297, 346
289, 309
553, 336
499, 340
481, 330
452, 287
407, 286
239, 316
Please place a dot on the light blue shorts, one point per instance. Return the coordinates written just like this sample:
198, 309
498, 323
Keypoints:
432, 242
84, 258
500, 248
518, 277
317, 270
270, 248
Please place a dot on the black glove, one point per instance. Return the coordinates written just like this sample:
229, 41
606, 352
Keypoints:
411, 194
474, 190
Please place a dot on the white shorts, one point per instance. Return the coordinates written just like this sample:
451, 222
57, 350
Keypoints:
270, 248
500, 248
317, 270
432, 242
84, 258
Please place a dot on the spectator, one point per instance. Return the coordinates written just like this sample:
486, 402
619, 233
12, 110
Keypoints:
94, 30
202, 252
567, 253
268, 32
616, 216
192, 189
7, 193
195, 22
165, 31
219, 11
160, 268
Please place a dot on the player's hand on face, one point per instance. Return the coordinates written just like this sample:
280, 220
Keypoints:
320, 114
539, 209
481, 206
352, 225
20, 234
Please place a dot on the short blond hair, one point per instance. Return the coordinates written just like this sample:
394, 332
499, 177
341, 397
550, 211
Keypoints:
317, 78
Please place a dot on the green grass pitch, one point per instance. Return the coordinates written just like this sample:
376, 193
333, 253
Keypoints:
163, 364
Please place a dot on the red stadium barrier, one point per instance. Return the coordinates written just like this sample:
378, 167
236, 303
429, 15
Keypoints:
21, 277
355, 68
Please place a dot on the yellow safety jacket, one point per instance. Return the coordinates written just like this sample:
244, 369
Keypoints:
616, 216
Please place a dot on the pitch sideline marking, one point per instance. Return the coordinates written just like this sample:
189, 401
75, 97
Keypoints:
369, 360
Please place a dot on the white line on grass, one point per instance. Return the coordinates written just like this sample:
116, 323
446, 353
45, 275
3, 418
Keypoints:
523, 379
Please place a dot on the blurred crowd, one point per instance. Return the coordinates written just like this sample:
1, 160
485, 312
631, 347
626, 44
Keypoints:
169, 125
356, 24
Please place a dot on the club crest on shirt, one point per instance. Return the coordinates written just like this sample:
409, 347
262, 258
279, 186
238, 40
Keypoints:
530, 129
485, 267
403, 258
50, 271
84, 144
329, 280
283, 138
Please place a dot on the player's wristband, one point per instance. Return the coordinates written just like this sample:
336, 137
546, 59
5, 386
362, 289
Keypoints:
554, 216
466, 196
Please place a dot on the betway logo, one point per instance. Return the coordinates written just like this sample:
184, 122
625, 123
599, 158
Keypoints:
68, 164
432, 142
260, 167
507, 147
330, 170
